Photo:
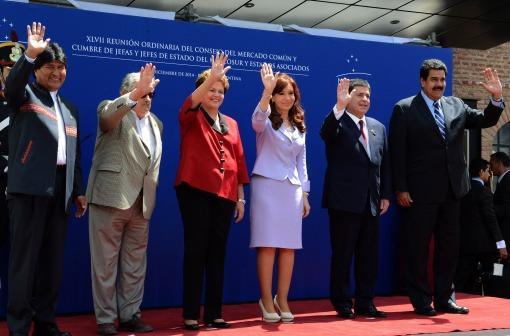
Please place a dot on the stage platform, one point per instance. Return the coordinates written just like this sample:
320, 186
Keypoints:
317, 317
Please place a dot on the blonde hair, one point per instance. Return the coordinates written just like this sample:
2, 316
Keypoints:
205, 74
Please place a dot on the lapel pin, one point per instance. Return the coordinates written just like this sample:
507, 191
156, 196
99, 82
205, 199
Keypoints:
373, 132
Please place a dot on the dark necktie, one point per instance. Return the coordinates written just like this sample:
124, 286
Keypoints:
363, 135
438, 117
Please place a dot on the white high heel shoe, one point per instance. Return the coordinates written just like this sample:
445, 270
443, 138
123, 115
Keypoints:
266, 316
285, 316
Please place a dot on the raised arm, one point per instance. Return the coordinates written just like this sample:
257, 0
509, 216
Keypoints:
269, 81
218, 70
492, 84
112, 113
20, 73
263, 110
329, 126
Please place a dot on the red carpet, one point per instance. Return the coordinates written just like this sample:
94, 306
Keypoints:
316, 317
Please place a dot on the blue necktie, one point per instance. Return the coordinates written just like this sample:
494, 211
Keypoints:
438, 117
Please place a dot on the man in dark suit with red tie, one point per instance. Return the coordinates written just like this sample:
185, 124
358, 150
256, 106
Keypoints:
44, 178
357, 189
430, 176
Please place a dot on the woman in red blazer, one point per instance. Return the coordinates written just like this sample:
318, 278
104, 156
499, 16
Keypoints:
209, 186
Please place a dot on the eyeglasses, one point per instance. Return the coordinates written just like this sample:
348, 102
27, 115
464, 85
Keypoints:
150, 95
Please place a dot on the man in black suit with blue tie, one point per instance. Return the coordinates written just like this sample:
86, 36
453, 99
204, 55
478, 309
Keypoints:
44, 179
430, 176
357, 189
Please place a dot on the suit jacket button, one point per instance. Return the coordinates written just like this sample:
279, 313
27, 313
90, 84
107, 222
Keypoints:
222, 170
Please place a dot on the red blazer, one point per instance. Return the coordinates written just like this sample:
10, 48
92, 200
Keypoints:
211, 161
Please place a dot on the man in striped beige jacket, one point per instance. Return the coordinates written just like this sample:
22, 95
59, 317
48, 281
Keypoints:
122, 193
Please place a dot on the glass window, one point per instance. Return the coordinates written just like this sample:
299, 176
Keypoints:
501, 142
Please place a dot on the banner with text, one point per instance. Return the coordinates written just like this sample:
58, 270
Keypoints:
102, 48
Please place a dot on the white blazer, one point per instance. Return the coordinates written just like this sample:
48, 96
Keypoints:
280, 155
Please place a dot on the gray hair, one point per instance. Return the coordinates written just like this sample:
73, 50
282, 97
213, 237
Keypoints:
129, 82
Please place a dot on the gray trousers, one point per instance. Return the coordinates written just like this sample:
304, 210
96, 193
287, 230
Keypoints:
118, 245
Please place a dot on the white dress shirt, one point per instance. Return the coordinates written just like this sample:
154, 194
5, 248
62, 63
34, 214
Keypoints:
61, 148
430, 104
146, 133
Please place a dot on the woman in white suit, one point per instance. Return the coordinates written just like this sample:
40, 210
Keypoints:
279, 188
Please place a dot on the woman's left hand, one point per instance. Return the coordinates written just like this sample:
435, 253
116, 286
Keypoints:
268, 78
306, 205
239, 212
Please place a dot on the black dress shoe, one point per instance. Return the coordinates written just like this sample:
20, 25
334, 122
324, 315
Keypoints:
452, 308
192, 326
51, 333
135, 325
346, 313
425, 311
106, 329
217, 324
48, 329
370, 312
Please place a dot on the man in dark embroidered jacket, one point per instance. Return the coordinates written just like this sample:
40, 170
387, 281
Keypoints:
44, 177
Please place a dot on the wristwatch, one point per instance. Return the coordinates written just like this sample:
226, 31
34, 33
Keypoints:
242, 200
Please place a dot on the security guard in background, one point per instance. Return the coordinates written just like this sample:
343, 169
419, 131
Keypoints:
10, 52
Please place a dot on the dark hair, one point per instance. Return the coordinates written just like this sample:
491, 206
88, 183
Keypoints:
501, 157
358, 82
476, 165
53, 52
296, 112
205, 74
431, 64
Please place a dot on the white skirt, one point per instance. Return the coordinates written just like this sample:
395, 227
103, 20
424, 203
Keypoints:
276, 213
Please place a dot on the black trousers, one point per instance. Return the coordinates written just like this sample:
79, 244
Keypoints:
206, 218
421, 222
38, 227
351, 235
4, 214
470, 270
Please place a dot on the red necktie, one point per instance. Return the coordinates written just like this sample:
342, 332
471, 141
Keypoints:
363, 135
